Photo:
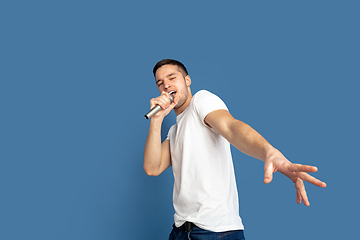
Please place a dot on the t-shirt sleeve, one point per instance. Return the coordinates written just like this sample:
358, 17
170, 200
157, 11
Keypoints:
207, 102
171, 130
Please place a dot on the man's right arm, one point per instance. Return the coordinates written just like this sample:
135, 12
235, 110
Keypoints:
157, 156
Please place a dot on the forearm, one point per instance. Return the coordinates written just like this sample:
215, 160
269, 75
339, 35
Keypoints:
249, 141
152, 152
240, 135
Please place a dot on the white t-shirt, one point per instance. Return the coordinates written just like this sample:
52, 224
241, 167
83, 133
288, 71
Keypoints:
205, 191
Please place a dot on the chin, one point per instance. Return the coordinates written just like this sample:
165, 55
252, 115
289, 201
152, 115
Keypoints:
179, 104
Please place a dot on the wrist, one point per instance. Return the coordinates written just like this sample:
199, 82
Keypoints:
271, 152
156, 120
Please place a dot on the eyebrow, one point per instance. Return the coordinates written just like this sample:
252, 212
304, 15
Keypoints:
169, 75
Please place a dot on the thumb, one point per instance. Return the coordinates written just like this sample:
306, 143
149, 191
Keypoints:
173, 103
172, 106
268, 172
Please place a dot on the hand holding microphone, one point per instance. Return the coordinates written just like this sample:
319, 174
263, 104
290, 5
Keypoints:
157, 108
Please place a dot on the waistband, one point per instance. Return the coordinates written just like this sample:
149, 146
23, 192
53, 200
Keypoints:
187, 226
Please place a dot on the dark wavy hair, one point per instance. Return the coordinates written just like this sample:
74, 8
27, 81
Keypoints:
163, 62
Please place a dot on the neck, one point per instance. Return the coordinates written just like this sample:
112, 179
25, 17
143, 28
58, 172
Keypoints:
184, 106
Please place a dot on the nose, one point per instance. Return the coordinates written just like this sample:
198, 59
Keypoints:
166, 84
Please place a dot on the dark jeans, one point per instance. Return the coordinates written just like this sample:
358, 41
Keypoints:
200, 234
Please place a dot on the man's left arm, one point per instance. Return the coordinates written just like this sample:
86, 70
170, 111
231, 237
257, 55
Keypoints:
250, 142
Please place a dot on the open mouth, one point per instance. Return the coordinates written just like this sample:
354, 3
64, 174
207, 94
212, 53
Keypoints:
172, 94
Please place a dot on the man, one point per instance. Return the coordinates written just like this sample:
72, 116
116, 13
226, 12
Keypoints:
198, 149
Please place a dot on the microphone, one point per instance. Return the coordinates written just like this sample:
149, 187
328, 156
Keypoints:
157, 108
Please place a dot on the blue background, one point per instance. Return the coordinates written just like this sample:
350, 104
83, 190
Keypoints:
76, 80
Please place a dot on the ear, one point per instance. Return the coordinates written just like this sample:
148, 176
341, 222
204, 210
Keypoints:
188, 80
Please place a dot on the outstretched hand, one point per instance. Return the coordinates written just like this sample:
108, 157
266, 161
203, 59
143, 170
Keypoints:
298, 173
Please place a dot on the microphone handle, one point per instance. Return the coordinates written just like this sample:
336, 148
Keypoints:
153, 111
156, 109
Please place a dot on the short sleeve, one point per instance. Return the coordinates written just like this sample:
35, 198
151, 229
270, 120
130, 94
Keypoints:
171, 131
207, 102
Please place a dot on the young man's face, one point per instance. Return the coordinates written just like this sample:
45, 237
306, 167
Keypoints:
169, 79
